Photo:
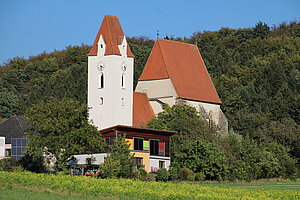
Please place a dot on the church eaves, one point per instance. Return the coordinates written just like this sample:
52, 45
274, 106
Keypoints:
183, 64
113, 35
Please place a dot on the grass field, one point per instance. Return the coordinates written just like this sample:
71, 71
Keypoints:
30, 194
261, 184
40, 186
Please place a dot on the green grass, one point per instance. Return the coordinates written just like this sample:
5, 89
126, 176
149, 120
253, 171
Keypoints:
261, 184
18, 194
9, 192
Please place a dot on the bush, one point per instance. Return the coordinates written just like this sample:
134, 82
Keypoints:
174, 173
199, 176
186, 174
110, 168
8, 164
191, 177
162, 175
142, 174
151, 177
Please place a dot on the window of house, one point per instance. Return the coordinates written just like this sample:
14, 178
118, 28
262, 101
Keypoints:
107, 140
161, 164
101, 100
153, 147
138, 144
101, 81
138, 162
123, 81
18, 146
101, 45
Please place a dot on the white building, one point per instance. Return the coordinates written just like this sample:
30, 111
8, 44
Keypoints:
110, 76
2, 147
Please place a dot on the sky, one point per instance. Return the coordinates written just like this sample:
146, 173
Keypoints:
29, 27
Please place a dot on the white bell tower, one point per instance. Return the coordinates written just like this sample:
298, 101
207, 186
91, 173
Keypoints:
110, 77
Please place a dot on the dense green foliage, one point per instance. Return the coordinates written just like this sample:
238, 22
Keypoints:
61, 129
61, 74
162, 175
7, 164
119, 162
129, 189
198, 148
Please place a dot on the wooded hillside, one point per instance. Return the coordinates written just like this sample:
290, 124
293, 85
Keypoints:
256, 72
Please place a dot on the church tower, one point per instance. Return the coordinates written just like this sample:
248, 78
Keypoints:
110, 76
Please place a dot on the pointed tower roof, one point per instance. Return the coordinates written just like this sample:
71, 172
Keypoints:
183, 64
113, 35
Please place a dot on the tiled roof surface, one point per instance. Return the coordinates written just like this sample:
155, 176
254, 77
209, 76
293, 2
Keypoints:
113, 35
183, 64
13, 127
142, 110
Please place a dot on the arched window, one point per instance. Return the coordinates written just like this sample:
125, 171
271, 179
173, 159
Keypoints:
101, 81
122, 101
123, 81
101, 100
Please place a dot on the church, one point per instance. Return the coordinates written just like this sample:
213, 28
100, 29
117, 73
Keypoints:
174, 73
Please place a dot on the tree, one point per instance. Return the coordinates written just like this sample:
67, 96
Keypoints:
61, 130
9, 103
195, 144
186, 121
201, 156
119, 162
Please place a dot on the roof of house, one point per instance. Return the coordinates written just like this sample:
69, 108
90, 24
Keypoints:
183, 64
112, 34
136, 129
142, 110
13, 127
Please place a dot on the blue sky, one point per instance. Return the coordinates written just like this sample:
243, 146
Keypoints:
30, 27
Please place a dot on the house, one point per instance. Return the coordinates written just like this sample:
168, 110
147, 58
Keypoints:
12, 137
150, 147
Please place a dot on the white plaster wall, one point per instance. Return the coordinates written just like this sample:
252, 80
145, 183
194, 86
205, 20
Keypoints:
81, 159
2, 147
157, 88
154, 162
112, 112
215, 108
157, 107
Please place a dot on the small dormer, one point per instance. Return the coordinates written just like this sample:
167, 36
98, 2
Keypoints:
123, 47
101, 46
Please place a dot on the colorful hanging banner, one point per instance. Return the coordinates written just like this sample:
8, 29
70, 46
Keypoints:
146, 145
161, 148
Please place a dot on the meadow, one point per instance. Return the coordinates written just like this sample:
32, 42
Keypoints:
47, 186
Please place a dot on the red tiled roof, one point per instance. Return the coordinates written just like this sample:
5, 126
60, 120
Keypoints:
183, 64
142, 110
113, 35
